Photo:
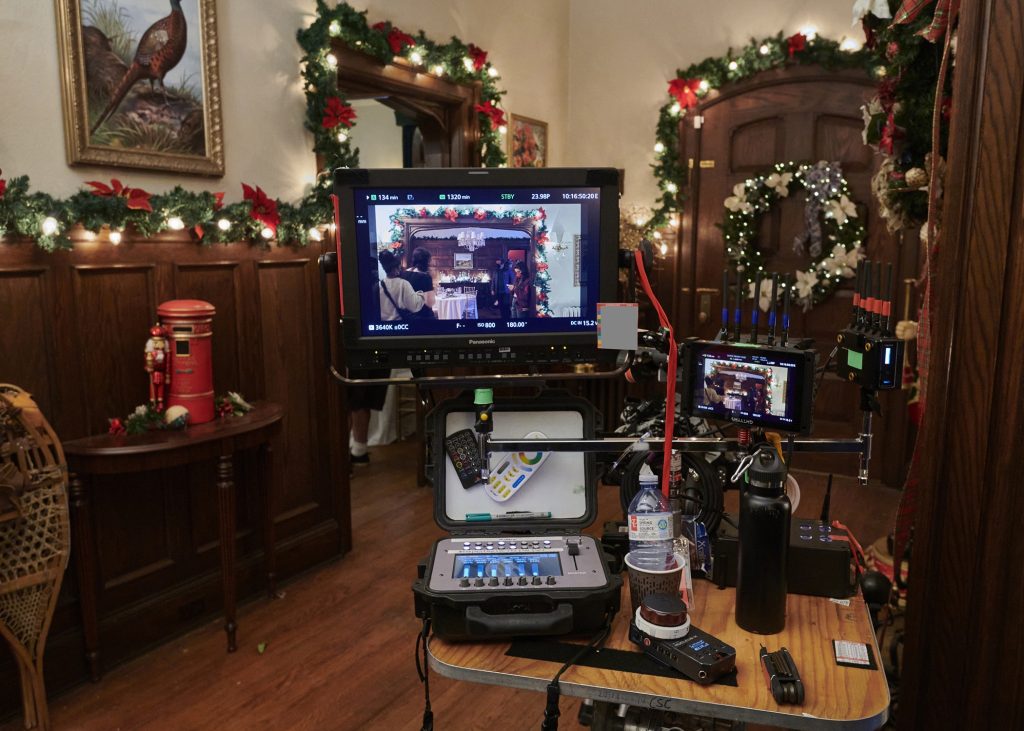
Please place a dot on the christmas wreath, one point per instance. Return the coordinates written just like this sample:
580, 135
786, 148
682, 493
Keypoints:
833, 233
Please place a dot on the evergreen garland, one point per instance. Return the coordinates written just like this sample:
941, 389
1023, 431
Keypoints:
695, 82
329, 118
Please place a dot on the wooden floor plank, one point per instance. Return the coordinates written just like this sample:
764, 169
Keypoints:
340, 643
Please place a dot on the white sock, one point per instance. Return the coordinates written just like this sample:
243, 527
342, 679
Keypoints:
358, 448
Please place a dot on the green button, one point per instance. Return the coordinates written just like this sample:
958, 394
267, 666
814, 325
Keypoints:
855, 359
483, 396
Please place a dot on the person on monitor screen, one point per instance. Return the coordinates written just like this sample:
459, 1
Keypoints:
501, 287
522, 289
711, 394
418, 275
749, 400
396, 293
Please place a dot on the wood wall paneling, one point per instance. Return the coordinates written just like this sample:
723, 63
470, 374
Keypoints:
72, 332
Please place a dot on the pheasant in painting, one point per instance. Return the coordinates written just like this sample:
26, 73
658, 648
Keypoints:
160, 49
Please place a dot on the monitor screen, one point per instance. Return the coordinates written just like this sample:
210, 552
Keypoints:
486, 566
469, 258
749, 384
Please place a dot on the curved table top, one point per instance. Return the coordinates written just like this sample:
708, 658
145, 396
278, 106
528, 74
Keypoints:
836, 697
109, 453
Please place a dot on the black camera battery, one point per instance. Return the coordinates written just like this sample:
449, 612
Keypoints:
521, 566
699, 656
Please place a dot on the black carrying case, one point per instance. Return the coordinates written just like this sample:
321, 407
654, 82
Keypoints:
501, 614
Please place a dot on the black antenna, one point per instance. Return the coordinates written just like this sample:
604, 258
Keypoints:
876, 308
887, 304
771, 312
855, 315
828, 499
739, 304
785, 313
865, 297
756, 310
724, 332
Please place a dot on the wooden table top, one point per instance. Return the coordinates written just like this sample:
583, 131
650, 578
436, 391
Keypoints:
110, 453
835, 696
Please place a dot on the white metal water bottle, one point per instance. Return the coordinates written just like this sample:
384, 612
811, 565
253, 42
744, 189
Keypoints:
650, 526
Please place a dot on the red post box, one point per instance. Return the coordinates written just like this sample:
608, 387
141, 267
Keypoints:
188, 325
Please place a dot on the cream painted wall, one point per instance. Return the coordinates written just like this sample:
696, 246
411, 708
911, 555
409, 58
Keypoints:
622, 55
264, 140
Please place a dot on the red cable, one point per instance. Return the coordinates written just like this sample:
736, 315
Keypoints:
670, 386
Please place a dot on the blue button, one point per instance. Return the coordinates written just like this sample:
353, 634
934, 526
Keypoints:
518, 480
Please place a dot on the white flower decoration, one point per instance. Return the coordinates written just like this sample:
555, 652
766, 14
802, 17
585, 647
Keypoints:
805, 282
841, 209
737, 202
840, 261
765, 301
779, 183
140, 410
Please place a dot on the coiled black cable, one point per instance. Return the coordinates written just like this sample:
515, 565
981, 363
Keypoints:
702, 487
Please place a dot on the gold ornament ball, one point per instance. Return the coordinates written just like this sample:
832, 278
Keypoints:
916, 178
176, 417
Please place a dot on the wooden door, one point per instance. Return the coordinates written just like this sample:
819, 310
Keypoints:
800, 114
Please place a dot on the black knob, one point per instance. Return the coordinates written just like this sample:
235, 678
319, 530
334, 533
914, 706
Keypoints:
493, 581
522, 581
508, 581
536, 580
551, 579
464, 582
478, 582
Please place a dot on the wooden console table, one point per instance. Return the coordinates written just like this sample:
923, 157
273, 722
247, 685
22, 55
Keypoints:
219, 439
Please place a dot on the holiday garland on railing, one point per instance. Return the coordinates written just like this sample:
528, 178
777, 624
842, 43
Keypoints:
109, 209
695, 82
469, 216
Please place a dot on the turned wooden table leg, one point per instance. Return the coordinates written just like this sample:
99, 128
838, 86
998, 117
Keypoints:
267, 484
85, 559
226, 511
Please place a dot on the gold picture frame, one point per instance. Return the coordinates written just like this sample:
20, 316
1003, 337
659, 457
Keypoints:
175, 128
527, 142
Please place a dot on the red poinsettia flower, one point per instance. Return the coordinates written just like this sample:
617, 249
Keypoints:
496, 115
338, 112
684, 91
540, 215
423, 213
542, 267
264, 208
397, 39
451, 214
137, 198
479, 57
542, 238
479, 214
796, 43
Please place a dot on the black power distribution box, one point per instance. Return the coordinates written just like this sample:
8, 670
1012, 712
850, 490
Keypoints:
820, 559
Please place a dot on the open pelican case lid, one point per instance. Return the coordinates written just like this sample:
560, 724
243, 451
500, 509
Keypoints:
504, 577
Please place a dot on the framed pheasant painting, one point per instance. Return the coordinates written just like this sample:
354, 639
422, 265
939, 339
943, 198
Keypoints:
140, 84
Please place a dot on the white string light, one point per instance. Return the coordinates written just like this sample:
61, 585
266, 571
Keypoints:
175, 223
502, 129
332, 60
115, 237
334, 28
492, 72
733, 65
764, 49
659, 147
810, 31
49, 226
223, 224
315, 235
342, 137
416, 57
267, 232
439, 70
468, 63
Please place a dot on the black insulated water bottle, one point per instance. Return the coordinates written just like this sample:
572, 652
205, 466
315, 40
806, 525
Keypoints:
764, 544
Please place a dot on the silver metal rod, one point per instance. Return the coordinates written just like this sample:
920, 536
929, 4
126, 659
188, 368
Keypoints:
684, 444
865, 454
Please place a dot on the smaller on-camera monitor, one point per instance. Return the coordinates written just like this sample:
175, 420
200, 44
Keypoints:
449, 267
761, 386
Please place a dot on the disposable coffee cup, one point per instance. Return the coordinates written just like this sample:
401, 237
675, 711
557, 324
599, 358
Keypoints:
644, 582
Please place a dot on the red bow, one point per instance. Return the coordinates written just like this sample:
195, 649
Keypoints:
137, 198
479, 214
264, 208
218, 201
796, 43
451, 214
478, 55
684, 91
396, 38
496, 115
338, 112
945, 12
116, 427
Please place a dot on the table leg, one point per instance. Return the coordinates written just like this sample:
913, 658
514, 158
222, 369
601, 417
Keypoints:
226, 511
267, 485
85, 559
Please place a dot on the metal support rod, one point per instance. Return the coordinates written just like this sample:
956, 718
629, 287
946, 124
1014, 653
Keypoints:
684, 444
865, 453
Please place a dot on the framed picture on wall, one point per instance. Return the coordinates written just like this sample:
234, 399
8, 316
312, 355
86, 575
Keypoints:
463, 260
527, 142
140, 84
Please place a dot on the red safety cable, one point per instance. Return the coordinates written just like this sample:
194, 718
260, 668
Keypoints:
670, 387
